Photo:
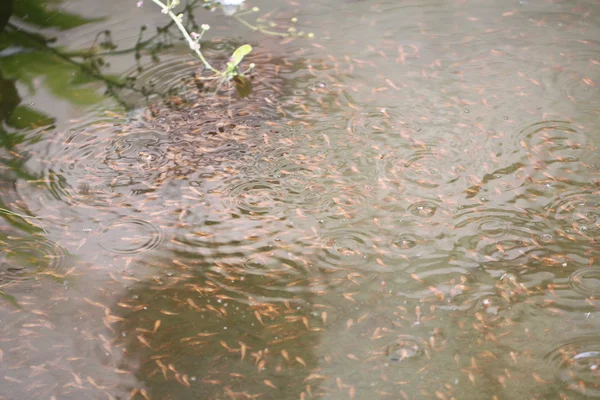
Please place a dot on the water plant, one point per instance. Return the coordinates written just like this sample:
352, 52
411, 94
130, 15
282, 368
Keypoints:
232, 68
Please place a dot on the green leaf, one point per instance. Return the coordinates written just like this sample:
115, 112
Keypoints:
82, 78
239, 54
24, 117
55, 74
243, 85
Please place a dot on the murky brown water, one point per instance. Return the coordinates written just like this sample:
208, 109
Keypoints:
407, 207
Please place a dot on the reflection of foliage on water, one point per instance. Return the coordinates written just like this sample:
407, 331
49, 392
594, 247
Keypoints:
28, 257
12, 113
27, 55
190, 336
18, 220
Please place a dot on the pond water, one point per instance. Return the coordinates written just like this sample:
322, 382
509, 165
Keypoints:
407, 207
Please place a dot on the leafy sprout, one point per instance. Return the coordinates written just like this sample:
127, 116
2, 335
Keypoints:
238, 55
231, 71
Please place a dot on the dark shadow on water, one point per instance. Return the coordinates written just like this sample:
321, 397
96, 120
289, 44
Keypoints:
191, 333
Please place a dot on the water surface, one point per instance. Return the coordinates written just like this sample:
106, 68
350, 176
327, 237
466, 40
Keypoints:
407, 206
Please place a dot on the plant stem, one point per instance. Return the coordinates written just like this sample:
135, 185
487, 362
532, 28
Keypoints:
187, 36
